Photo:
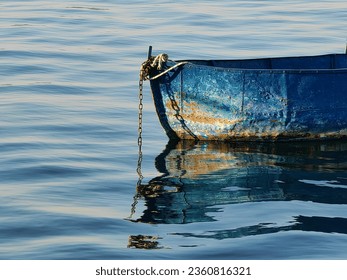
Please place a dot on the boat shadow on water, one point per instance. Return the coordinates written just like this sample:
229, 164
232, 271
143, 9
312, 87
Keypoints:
199, 178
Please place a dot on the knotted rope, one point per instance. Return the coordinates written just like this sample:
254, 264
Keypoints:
157, 63
159, 60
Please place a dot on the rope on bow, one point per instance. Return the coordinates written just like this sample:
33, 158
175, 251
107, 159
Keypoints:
157, 63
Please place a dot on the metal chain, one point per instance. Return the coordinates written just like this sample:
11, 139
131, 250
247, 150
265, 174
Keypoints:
139, 144
154, 62
139, 139
144, 75
146, 67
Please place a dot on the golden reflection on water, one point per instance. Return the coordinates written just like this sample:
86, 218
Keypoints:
200, 175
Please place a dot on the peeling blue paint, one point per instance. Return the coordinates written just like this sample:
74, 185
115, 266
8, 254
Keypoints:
255, 99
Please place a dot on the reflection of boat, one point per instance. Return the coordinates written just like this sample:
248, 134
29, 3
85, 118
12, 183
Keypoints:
302, 223
200, 177
252, 99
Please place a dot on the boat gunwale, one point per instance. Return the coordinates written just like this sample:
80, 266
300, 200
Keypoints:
270, 71
190, 64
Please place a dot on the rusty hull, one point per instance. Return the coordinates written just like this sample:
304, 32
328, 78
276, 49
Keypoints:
277, 98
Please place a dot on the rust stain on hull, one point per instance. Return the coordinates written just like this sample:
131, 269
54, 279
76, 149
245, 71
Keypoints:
193, 113
266, 136
204, 124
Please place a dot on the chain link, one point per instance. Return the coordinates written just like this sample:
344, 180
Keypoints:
151, 63
146, 67
139, 144
139, 139
144, 75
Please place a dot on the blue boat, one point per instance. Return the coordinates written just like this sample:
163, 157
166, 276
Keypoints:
287, 98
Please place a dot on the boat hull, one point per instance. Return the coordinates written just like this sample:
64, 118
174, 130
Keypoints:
212, 100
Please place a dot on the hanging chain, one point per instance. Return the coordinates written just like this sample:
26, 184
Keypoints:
158, 63
146, 67
139, 139
139, 144
144, 75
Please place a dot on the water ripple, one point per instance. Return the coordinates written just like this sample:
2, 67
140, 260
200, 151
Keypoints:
69, 119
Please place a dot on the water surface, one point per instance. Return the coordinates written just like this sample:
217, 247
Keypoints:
69, 115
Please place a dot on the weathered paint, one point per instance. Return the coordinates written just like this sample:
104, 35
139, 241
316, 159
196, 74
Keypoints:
257, 99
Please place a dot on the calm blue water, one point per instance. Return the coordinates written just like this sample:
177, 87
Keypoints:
69, 99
